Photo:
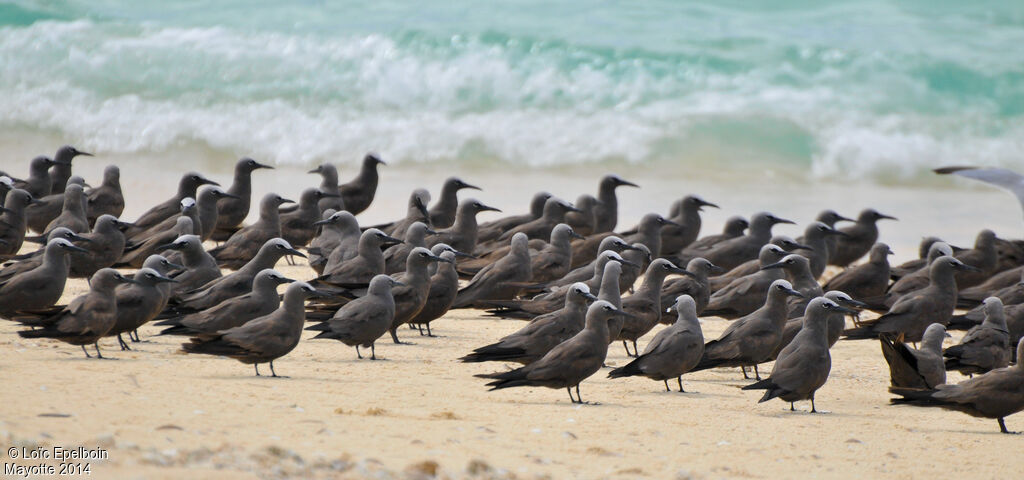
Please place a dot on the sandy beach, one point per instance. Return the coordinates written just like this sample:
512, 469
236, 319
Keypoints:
420, 413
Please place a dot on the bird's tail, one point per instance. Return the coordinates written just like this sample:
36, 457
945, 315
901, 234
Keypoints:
860, 333
493, 353
914, 396
629, 370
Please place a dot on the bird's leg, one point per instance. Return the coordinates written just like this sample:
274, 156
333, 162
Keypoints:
744, 369
257, 367
357, 353
915, 345
429, 333
136, 333
373, 352
791, 407
412, 327
394, 337
569, 389
666, 386
636, 353
757, 376
680, 380
288, 259
626, 346
578, 397
1002, 426
124, 346
86, 352
97, 345
813, 410
272, 372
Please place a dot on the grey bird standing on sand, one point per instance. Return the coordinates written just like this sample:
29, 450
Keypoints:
586, 219
339, 237
86, 319
686, 214
919, 279
495, 228
463, 234
996, 394
555, 260
42, 286
38, 183
730, 253
298, 226
263, 339
608, 203
746, 294
395, 255
695, 285
106, 199
751, 340
60, 172
72, 215
136, 253
554, 213
673, 351
912, 313
413, 287
916, 368
543, 333
364, 320
368, 263
985, 347
13, 222
357, 195
207, 209
644, 306
798, 272
329, 184
803, 366
186, 189
982, 257
867, 280
105, 245
835, 322
444, 286
442, 214
816, 236
499, 280
137, 303
244, 244
200, 267
859, 238
231, 211
733, 228
45, 209
233, 311
829, 218
416, 211
569, 363
234, 284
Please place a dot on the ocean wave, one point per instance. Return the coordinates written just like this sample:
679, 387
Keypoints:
492, 96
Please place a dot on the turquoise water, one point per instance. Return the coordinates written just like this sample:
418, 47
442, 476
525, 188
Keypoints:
878, 90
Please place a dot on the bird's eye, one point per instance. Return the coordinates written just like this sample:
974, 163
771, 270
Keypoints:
790, 261
608, 308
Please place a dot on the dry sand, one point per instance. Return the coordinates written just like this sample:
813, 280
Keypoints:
163, 414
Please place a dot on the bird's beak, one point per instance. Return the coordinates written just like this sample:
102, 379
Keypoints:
260, 165
890, 252
392, 240
708, 204
165, 280
124, 279
846, 311
665, 221
78, 238
576, 235
295, 252
322, 222
855, 303
422, 208
626, 183
966, 268
795, 293
207, 181
396, 283
886, 217
773, 265
840, 218
683, 271
590, 296
229, 195
287, 280
486, 208
84, 154
34, 201
315, 170
431, 231
168, 246
464, 254
783, 220
716, 269
471, 187
285, 200
75, 248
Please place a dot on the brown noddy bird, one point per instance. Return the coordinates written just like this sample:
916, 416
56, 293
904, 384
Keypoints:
585, 219
105, 245
985, 347
648, 232
500, 280
586, 271
816, 237
232, 210
491, 230
13, 222
644, 306
997, 285
859, 238
364, 320
867, 280
368, 263
60, 172
136, 253
339, 237
462, 235
357, 195
328, 183
38, 182
72, 215
695, 285
745, 294
200, 267
207, 209
41, 287
830, 218
233, 311
982, 257
555, 259
29, 261
186, 189
751, 340
413, 286
912, 313
733, 228
571, 361
798, 272
996, 394
673, 351
835, 323
540, 228
263, 339
244, 244
1011, 295
803, 366
6, 185
607, 210
915, 368
86, 319
395, 255
444, 286
39, 214
416, 211
611, 293
686, 214
189, 208
730, 253
917, 280
234, 284
107, 198
299, 226
543, 333
750, 267
137, 303
442, 214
